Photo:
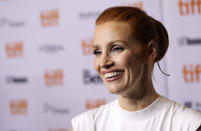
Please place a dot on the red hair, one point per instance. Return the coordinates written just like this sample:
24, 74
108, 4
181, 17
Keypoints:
144, 27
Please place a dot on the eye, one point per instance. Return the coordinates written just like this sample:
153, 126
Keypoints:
97, 52
117, 49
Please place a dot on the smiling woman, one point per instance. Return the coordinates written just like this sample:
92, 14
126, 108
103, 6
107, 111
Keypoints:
127, 43
119, 58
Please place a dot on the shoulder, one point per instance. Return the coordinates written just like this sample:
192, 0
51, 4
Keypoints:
180, 111
183, 116
80, 122
190, 118
83, 120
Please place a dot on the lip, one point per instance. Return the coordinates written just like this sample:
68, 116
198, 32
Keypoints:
113, 78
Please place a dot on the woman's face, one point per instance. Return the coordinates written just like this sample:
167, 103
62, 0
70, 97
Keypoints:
118, 57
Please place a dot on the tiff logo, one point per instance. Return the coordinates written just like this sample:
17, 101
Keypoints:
87, 46
192, 73
54, 78
138, 4
90, 104
189, 41
189, 7
49, 18
14, 49
18, 107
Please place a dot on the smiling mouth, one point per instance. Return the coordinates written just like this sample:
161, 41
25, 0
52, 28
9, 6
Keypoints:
113, 75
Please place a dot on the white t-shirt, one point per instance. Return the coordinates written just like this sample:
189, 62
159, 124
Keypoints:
161, 115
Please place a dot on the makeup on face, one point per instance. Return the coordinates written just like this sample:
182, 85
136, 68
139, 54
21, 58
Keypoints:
116, 56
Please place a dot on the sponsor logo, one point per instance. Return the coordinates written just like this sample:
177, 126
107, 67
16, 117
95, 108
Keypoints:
57, 110
16, 130
14, 49
194, 105
90, 104
198, 106
52, 48
10, 23
89, 78
138, 4
189, 7
6, 0
60, 129
85, 15
54, 78
192, 73
188, 104
19, 107
49, 18
185, 41
87, 46
13, 79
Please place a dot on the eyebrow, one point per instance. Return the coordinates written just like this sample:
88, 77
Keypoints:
111, 42
95, 46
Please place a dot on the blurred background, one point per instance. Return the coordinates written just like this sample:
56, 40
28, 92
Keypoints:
46, 66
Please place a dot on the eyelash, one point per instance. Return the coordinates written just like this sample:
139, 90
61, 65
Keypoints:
96, 52
117, 49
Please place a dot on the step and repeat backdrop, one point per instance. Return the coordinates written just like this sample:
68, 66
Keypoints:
46, 66
182, 19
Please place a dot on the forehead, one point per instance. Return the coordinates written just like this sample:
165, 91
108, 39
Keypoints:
111, 31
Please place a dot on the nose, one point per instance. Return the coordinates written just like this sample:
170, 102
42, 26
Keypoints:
106, 61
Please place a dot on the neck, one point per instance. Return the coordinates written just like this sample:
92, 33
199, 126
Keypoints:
147, 97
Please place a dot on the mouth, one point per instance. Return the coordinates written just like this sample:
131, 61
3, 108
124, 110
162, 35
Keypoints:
114, 75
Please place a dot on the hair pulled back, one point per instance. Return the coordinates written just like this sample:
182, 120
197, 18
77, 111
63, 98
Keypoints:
144, 27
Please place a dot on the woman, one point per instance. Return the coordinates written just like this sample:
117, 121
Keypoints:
127, 43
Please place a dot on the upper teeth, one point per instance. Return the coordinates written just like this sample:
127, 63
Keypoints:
112, 74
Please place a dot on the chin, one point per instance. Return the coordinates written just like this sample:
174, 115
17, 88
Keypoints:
115, 89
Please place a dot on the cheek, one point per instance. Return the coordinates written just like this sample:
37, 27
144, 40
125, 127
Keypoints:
131, 63
96, 65
125, 59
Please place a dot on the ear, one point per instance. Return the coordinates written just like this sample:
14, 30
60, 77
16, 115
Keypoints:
152, 51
